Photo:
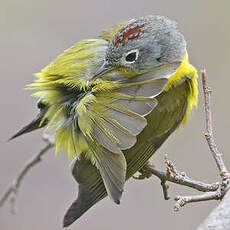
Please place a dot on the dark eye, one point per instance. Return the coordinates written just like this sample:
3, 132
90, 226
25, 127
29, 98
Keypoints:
131, 57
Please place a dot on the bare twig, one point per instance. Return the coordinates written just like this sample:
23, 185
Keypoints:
165, 188
209, 129
14, 187
181, 178
174, 176
183, 200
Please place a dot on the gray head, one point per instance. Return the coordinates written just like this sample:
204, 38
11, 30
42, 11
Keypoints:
145, 43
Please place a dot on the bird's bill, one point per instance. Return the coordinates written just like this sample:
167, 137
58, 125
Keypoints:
102, 70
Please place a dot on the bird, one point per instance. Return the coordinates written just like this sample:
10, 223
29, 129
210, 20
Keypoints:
111, 102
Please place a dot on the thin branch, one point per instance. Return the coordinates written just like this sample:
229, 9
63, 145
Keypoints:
181, 178
209, 129
183, 200
14, 187
165, 189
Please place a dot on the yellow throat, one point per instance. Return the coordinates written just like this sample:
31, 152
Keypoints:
186, 70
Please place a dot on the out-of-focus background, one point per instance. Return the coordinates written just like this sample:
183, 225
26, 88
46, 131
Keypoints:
33, 33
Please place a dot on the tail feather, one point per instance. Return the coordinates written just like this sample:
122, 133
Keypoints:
90, 190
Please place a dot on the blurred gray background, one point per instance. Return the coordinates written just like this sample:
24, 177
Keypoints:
33, 33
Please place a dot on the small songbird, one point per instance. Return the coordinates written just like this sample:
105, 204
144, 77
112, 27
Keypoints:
111, 102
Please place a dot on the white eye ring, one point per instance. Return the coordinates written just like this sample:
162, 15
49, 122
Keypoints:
131, 56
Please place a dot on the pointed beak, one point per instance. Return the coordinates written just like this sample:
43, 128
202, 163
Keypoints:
102, 70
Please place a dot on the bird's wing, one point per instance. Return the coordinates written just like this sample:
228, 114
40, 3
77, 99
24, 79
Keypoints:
111, 119
162, 121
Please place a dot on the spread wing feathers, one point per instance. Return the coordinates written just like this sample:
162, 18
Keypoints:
112, 168
111, 119
115, 117
162, 122
149, 88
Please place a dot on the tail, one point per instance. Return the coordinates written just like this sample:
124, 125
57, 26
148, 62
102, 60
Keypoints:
91, 190
37, 123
